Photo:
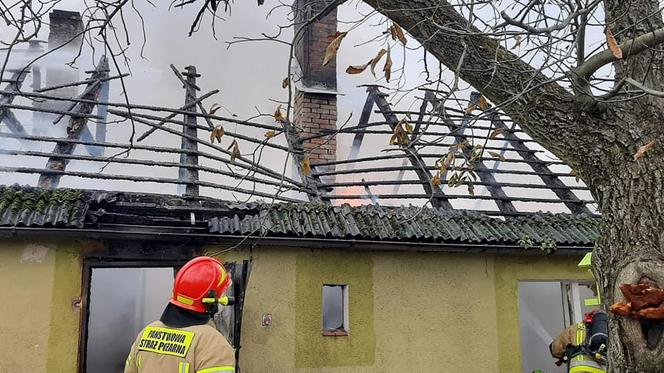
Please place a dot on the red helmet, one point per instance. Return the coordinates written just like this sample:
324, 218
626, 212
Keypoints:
195, 279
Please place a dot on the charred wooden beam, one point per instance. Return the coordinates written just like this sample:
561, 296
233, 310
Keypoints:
150, 108
484, 174
438, 155
573, 203
193, 96
241, 161
157, 149
73, 114
438, 199
150, 163
414, 136
75, 84
75, 127
13, 123
362, 124
431, 168
364, 129
164, 120
6, 98
187, 173
185, 109
459, 196
96, 175
102, 111
416, 182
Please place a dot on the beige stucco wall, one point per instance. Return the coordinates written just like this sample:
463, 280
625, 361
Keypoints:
38, 325
429, 311
408, 311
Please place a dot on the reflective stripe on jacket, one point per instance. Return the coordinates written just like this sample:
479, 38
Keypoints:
193, 349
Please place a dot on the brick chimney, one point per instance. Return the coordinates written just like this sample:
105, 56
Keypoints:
315, 106
65, 38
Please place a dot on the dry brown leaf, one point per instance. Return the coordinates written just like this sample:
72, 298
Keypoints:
436, 180
270, 134
408, 127
453, 180
336, 34
613, 44
495, 133
235, 152
216, 134
279, 115
358, 69
642, 150
333, 47
449, 159
397, 33
285, 83
498, 155
399, 136
214, 108
388, 66
376, 59
483, 103
392, 32
576, 176
306, 165
470, 108
471, 189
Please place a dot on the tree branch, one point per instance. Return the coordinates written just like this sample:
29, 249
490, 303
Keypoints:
629, 48
650, 91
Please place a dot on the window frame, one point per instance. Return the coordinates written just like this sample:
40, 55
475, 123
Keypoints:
345, 330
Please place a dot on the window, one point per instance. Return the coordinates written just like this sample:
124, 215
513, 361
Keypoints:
335, 310
545, 309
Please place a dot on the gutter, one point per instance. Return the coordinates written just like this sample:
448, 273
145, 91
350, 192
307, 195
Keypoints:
307, 242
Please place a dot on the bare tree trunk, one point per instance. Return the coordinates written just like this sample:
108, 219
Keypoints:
631, 248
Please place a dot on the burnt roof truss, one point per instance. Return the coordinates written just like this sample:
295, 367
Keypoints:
454, 129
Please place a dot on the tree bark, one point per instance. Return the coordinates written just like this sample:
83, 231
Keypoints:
599, 145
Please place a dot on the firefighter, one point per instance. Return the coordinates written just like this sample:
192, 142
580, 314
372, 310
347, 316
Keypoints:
583, 346
184, 339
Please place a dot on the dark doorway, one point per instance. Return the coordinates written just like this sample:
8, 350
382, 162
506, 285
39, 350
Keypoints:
122, 302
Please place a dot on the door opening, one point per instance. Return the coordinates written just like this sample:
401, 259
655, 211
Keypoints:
122, 301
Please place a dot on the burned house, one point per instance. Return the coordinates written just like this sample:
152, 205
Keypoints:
336, 266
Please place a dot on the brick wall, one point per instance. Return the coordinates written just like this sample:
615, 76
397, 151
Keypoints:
315, 112
312, 43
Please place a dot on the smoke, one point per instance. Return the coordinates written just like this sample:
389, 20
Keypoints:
122, 302
249, 76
